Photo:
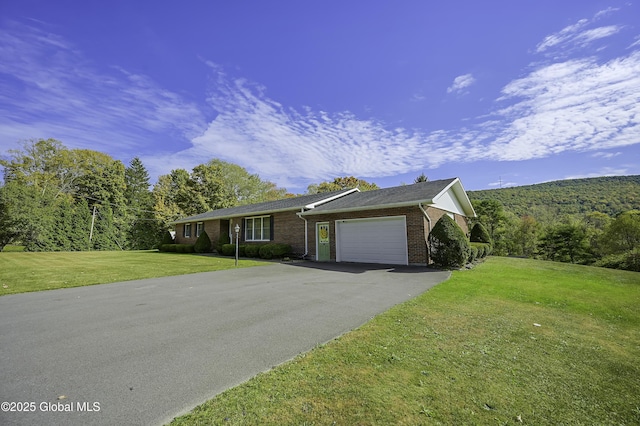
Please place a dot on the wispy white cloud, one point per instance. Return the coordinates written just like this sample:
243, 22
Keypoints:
460, 83
566, 34
48, 89
605, 171
578, 35
576, 105
606, 155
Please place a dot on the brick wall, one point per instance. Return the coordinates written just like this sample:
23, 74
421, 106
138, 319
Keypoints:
417, 228
416, 243
211, 227
288, 228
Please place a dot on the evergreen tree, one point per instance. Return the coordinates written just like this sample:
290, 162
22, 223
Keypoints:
144, 231
63, 224
491, 215
79, 237
105, 234
421, 178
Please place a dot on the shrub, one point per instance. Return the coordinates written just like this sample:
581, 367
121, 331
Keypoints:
449, 245
172, 248
242, 250
271, 250
184, 248
479, 234
474, 253
222, 240
484, 249
252, 250
228, 250
628, 261
203, 243
167, 238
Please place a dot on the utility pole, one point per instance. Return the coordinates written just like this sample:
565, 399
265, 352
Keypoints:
93, 219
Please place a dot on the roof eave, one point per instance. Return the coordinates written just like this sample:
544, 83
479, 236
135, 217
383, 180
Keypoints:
231, 216
376, 207
268, 211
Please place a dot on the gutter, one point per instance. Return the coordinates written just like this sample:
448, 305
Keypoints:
426, 215
360, 208
306, 238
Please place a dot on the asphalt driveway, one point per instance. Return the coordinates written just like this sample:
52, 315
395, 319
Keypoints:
143, 352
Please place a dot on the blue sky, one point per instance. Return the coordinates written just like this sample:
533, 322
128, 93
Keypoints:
497, 92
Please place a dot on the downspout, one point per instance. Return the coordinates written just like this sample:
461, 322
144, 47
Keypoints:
306, 238
426, 215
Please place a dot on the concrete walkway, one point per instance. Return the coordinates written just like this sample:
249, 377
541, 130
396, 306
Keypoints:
143, 352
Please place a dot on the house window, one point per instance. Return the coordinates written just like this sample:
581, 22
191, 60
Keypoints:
199, 228
257, 228
187, 230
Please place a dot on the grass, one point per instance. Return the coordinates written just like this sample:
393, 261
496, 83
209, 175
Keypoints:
25, 272
512, 341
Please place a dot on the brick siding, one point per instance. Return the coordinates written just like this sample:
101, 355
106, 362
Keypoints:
417, 228
288, 228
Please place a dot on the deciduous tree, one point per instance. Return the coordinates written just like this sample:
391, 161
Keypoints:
339, 183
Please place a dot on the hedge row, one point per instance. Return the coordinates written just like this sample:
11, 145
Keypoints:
479, 251
264, 251
177, 248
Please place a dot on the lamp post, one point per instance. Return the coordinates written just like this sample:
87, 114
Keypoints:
237, 237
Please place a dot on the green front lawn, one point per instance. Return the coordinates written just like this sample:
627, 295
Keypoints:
512, 341
24, 272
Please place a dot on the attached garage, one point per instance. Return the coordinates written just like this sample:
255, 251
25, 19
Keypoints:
372, 240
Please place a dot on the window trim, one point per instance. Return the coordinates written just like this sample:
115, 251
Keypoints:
186, 230
199, 228
265, 218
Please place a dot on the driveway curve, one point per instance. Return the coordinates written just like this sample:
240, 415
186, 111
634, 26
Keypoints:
142, 352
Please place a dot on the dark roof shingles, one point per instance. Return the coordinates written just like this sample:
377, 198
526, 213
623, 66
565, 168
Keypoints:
292, 203
405, 194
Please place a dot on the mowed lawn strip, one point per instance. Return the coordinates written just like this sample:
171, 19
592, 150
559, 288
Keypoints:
512, 341
25, 272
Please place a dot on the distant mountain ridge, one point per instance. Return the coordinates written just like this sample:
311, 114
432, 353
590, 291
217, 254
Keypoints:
610, 195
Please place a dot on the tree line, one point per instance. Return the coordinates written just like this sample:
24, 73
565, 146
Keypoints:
53, 198
593, 238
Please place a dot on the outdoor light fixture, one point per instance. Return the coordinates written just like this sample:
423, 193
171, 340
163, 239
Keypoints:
237, 228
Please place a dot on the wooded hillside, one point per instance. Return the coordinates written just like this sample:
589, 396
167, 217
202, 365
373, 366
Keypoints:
609, 195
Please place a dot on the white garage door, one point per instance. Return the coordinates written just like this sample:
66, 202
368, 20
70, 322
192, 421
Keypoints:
376, 240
